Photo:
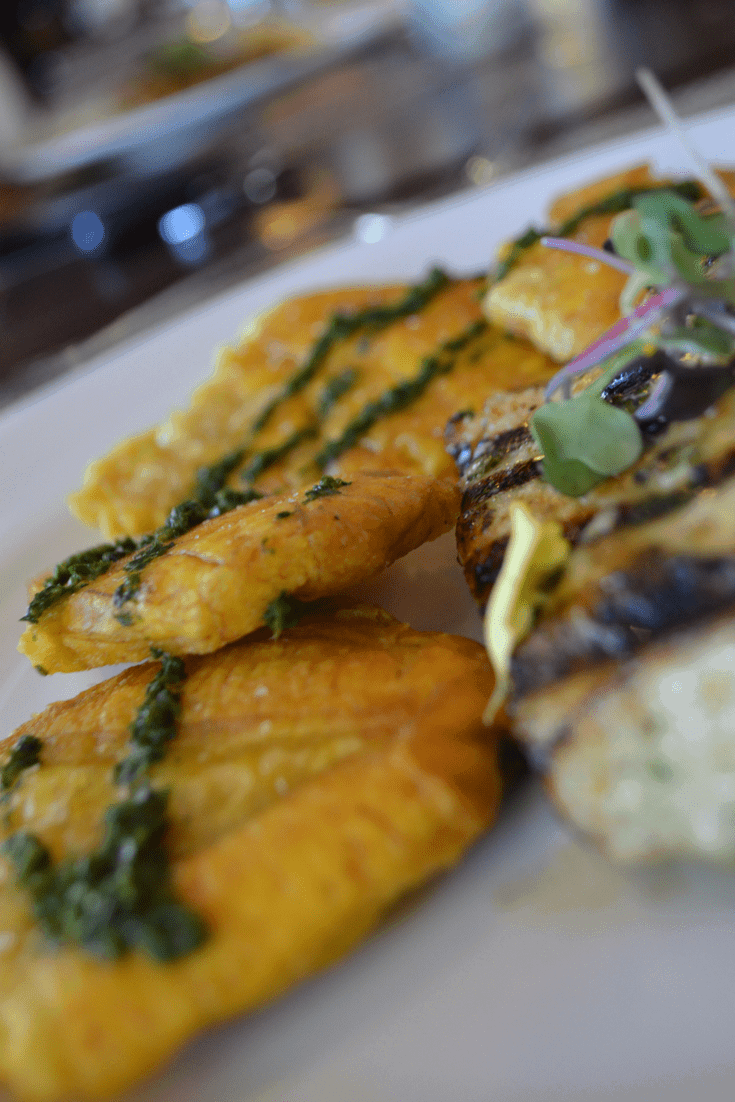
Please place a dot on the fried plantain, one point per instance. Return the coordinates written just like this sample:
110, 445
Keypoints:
561, 301
216, 583
412, 372
313, 780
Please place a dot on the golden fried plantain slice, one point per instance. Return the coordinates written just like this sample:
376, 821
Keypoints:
131, 490
558, 300
313, 780
216, 582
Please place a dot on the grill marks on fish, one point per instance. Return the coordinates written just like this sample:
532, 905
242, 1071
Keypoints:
632, 652
499, 468
653, 557
631, 609
491, 451
510, 478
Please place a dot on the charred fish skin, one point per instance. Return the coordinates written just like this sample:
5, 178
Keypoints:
657, 595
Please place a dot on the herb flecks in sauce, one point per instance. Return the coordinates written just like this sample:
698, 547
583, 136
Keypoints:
155, 724
75, 572
401, 395
326, 487
25, 754
119, 897
283, 612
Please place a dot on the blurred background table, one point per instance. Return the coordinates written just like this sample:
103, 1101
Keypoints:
155, 152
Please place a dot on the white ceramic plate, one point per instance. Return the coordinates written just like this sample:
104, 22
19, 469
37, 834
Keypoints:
533, 971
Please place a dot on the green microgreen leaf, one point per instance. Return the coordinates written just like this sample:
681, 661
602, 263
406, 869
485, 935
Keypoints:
702, 234
584, 439
701, 339
667, 239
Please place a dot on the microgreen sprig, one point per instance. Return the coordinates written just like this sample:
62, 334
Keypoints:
686, 257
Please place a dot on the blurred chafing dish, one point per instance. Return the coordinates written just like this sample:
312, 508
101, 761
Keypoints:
141, 100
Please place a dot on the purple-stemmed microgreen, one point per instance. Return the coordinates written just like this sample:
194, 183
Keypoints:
617, 337
683, 260
565, 244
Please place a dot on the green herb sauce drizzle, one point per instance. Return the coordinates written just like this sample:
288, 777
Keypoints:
283, 612
25, 753
326, 487
211, 496
343, 326
614, 203
182, 518
116, 899
265, 459
335, 389
75, 572
119, 897
401, 395
155, 723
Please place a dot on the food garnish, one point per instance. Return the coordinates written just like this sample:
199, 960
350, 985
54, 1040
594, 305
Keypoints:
611, 204
75, 572
536, 552
283, 612
401, 395
687, 257
25, 754
118, 897
669, 358
325, 487
341, 326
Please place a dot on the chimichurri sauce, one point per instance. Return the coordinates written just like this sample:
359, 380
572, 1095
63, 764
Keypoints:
212, 497
119, 897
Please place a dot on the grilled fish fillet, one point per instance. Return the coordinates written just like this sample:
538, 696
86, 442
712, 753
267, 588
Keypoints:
653, 561
216, 582
314, 779
131, 490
